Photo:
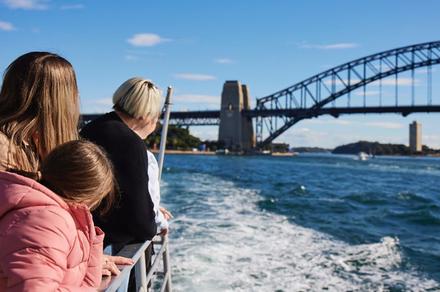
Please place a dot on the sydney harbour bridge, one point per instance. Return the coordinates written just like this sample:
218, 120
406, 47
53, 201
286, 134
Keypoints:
337, 91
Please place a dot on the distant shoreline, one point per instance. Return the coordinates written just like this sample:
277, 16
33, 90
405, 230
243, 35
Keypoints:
376, 149
280, 154
185, 152
190, 152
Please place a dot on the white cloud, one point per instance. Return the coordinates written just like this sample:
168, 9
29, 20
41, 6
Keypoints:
224, 61
6, 26
205, 132
342, 82
425, 70
194, 77
385, 125
321, 121
302, 136
401, 81
72, 7
432, 141
368, 93
198, 99
27, 4
337, 46
146, 40
95, 106
183, 109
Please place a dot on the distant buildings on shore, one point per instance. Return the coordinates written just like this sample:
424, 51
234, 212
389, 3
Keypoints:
415, 137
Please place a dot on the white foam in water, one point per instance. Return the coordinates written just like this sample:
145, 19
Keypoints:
227, 244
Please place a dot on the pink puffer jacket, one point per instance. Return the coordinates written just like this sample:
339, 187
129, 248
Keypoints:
45, 243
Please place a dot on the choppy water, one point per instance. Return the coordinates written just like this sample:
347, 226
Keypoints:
305, 223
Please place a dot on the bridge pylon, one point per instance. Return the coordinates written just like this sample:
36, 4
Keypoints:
236, 131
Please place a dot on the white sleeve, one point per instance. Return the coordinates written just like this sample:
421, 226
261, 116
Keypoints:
154, 190
153, 180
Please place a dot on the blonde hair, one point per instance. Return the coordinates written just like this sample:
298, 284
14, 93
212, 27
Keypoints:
79, 171
39, 106
138, 98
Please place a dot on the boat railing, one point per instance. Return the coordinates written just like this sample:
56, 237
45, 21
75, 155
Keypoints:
143, 277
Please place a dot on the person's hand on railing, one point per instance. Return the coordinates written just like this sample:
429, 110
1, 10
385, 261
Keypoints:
163, 232
109, 264
167, 214
105, 282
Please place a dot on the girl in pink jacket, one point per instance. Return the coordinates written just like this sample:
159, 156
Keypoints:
48, 241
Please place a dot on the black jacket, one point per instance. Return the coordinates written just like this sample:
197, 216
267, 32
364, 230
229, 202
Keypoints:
132, 218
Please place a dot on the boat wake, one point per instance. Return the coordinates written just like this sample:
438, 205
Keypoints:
221, 241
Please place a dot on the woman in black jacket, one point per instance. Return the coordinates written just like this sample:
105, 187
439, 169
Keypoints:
121, 133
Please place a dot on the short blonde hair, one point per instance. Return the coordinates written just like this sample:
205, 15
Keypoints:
139, 98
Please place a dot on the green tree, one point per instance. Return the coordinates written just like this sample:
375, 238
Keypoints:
178, 139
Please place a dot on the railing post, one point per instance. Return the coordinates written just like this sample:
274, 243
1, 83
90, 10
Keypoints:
166, 265
141, 274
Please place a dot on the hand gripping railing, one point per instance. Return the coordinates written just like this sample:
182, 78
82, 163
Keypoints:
137, 253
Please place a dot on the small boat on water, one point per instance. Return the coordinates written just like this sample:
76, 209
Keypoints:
363, 156
222, 151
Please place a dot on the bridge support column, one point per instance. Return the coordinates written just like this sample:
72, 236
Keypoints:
236, 130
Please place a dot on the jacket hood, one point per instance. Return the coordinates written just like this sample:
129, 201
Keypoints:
17, 192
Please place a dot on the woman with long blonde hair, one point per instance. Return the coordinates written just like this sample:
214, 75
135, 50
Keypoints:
39, 109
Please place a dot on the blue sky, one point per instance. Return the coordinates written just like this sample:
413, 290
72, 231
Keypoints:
196, 45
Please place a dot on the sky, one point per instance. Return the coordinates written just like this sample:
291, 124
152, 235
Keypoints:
195, 46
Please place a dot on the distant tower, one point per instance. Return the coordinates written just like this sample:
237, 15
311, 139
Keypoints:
235, 131
415, 137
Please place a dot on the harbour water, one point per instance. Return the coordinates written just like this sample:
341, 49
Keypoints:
304, 223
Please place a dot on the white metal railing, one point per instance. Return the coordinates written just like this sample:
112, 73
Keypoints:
137, 253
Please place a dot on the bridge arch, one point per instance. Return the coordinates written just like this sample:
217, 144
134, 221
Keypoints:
314, 96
